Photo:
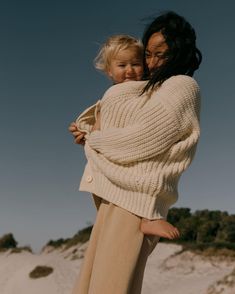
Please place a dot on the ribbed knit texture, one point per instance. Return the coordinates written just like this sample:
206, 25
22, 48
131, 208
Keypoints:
144, 145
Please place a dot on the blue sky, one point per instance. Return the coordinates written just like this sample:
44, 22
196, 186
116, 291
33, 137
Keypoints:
48, 78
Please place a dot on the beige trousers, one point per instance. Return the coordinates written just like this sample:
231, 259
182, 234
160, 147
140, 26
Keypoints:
117, 253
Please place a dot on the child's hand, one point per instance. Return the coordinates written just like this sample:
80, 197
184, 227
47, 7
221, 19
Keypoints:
159, 227
78, 136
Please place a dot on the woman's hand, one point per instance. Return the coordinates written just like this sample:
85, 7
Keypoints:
78, 136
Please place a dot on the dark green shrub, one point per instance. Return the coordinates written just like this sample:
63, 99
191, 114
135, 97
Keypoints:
20, 249
81, 237
40, 271
226, 231
57, 243
8, 241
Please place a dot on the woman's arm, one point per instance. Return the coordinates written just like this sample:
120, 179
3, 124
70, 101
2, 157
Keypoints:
145, 139
171, 114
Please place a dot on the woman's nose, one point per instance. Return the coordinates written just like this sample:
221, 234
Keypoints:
152, 63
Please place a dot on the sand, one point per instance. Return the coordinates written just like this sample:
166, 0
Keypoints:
166, 272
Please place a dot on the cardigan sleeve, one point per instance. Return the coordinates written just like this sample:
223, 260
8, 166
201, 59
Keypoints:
87, 118
169, 114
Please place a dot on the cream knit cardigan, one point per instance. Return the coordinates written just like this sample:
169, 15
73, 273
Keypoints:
145, 143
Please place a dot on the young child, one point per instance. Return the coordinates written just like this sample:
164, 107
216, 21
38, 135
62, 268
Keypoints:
121, 59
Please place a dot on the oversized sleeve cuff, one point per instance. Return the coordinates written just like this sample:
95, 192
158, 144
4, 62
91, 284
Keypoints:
87, 118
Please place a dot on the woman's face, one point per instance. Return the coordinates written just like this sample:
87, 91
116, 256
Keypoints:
155, 50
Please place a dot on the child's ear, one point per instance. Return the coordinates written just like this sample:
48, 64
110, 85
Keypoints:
109, 73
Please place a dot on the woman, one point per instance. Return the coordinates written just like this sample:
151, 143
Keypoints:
136, 159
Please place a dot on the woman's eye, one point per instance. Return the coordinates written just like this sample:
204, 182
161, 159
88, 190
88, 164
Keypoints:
157, 54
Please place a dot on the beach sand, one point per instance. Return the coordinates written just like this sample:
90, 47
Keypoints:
166, 272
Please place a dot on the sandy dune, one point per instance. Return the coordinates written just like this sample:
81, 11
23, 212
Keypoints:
166, 273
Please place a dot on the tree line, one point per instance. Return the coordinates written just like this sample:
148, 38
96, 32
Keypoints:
203, 226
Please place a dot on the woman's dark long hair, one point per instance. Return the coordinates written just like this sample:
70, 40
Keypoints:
182, 56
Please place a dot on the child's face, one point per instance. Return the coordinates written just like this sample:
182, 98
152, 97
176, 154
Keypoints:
127, 65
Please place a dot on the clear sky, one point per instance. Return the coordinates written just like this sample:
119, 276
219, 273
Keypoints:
47, 78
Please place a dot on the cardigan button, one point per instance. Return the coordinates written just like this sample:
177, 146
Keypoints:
89, 179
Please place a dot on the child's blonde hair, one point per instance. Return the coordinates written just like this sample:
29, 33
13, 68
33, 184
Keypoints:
111, 48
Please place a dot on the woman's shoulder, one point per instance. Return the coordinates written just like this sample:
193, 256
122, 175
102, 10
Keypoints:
181, 82
177, 90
